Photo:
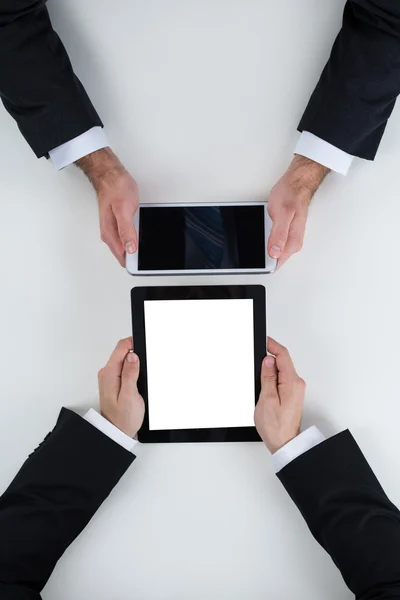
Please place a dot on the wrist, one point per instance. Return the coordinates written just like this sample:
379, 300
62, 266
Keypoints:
101, 167
276, 444
119, 423
305, 175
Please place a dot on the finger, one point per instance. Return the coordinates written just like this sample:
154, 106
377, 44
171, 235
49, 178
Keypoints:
110, 236
295, 239
117, 358
284, 363
118, 252
110, 375
279, 233
130, 375
283, 259
127, 234
269, 376
269, 382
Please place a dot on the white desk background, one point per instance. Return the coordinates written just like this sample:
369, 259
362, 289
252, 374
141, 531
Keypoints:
201, 100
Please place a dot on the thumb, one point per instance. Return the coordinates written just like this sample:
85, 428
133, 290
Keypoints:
269, 376
130, 374
279, 234
126, 229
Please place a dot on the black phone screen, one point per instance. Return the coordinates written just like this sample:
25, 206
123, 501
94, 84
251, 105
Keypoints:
201, 237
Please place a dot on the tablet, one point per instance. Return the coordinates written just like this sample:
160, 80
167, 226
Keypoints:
201, 349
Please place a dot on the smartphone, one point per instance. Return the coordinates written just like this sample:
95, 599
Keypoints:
198, 239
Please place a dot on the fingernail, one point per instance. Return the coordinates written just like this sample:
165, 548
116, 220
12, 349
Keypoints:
132, 357
275, 252
130, 247
269, 361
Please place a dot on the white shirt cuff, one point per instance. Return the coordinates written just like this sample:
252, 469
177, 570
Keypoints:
95, 419
299, 445
90, 141
324, 153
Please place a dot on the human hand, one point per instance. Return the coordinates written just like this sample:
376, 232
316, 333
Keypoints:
279, 408
288, 205
118, 200
120, 401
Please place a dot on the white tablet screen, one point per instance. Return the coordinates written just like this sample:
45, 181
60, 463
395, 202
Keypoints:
200, 363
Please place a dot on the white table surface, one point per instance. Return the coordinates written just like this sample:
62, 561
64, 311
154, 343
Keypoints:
201, 100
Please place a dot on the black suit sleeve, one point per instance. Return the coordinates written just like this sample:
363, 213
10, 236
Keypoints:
349, 514
50, 501
358, 87
37, 84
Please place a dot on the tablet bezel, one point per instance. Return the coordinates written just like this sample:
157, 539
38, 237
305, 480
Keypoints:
139, 295
132, 260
